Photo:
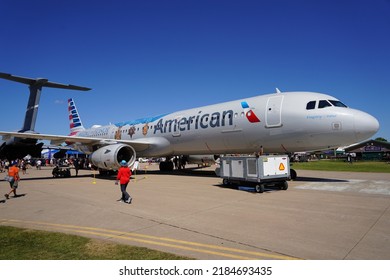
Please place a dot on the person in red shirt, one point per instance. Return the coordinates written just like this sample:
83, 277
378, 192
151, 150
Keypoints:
123, 177
13, 173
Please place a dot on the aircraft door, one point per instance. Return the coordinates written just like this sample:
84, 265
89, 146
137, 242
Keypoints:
112, 134
273, 114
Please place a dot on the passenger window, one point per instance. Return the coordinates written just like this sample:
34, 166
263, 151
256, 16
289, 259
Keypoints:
323, 104
311, 105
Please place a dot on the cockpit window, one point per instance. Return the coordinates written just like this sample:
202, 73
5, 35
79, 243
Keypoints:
311, 105
337, 103
324, 103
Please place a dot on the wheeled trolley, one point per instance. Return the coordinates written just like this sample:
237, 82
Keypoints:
256, 171
61, 171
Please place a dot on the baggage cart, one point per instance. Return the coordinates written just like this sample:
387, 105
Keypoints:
256, 171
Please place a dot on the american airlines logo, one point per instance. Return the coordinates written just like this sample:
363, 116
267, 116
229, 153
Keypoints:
250, 115
203, 120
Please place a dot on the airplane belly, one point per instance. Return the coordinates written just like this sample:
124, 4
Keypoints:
188, 144
86, 149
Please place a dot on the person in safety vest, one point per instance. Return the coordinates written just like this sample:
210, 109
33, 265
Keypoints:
13, 179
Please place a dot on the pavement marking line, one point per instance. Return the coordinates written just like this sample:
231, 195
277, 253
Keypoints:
136, 237
163, 244
91, 232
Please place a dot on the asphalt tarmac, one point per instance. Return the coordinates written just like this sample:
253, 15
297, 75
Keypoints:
322, 215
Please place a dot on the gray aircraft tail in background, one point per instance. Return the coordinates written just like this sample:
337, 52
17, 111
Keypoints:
14, 147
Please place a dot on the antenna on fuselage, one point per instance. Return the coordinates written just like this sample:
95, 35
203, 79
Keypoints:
278, 91
35, 86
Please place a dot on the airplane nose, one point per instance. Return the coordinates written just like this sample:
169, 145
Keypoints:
365, 126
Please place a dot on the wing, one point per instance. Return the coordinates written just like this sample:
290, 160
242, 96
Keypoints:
138, 145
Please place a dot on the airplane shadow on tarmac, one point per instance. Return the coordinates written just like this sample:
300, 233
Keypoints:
198, 172
53, 178
315, 179
271, 188
190, 172
186, 172
194, 172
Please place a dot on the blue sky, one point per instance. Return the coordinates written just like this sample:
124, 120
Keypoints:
145, 58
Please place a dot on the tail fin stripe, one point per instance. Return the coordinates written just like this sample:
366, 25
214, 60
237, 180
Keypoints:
75, 124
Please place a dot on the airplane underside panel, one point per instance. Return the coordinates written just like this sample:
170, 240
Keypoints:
18, 150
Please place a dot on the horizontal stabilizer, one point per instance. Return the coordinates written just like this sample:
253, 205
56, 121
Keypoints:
40, 82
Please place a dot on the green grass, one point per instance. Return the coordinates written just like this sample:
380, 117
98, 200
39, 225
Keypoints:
27, 244
339, 165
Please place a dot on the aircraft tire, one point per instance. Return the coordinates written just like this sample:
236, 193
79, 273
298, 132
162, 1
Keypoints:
166, 166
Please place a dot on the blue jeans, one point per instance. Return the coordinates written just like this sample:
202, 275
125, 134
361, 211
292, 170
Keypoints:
125, 194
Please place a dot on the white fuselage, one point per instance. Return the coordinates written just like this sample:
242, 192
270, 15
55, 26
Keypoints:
282, 122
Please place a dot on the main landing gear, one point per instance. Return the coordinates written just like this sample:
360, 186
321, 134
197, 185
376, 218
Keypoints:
166, 166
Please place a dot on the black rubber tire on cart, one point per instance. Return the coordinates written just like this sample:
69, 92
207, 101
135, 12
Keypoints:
225, 182
284, 185
259, 188
293, 174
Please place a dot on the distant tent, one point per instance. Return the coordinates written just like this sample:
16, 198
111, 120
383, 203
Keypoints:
57, 153
48, 153
74, 152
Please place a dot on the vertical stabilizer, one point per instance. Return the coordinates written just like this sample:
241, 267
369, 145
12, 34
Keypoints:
75, 123
32, 108
35, 86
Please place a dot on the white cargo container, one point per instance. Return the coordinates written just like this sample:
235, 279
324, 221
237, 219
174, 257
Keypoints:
256, 171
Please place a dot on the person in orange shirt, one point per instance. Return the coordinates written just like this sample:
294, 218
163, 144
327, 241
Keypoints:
124, 174
13, 173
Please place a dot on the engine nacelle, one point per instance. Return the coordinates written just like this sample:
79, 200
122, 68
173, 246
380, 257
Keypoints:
109, 157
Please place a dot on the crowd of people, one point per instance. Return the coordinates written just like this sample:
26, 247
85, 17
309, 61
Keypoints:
12, 170
37, 163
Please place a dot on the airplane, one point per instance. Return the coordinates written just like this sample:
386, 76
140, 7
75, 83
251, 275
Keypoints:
273, 123
201, 160
18, 147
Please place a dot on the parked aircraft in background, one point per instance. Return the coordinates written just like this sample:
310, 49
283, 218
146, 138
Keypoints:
273, 123
18, 147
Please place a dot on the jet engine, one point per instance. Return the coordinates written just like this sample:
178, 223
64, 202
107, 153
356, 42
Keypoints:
109, 157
